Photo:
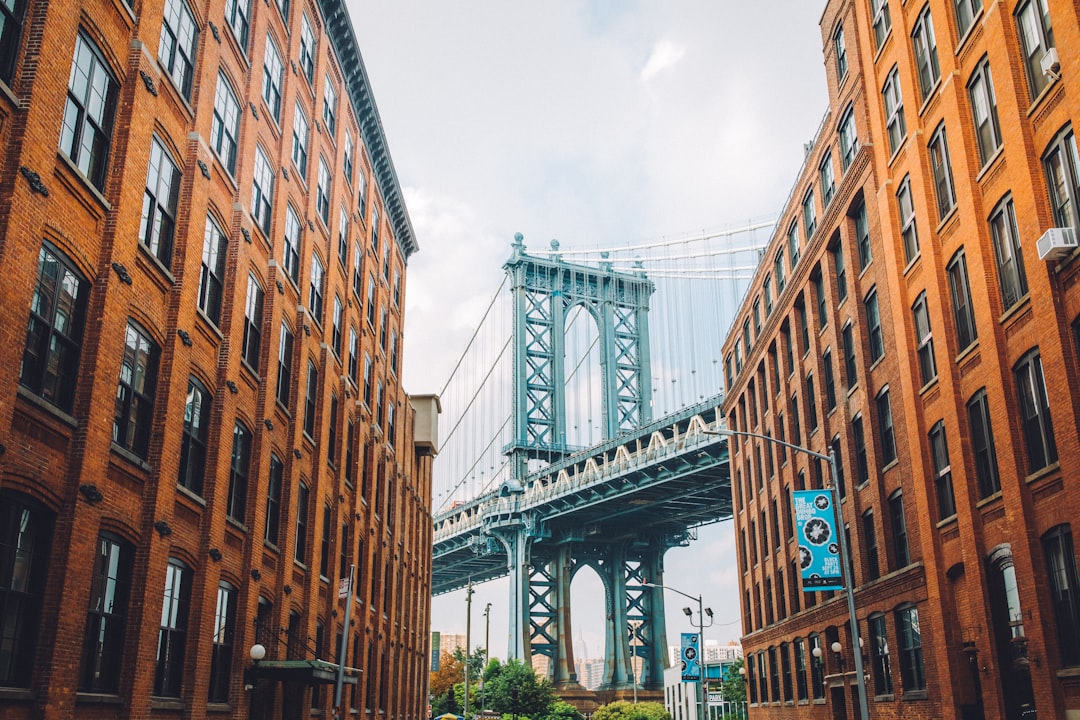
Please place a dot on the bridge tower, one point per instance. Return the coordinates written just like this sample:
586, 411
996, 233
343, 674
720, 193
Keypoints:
545, 291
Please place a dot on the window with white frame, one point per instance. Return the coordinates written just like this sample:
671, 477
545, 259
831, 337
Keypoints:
273, 70
212, 270
828, 182
841, 54
885, 427
982, 444
195, 437
849, 140
284, 376
301, 132
347, 158
1012, 279
793, 244
1063, 179
966, 10
237, 18
86, 134
907, 219
343, 237
939, 453
315, 295
322, 192
253, 308
160, 201
924, 44
882, 22
895, 125
941, 168
329, 105
225, 128
984, 111
1036, 37
290, 251
134, 412
307, 48
1035, 412
960, 291
262, 190
924, 340
809, 213
337, 334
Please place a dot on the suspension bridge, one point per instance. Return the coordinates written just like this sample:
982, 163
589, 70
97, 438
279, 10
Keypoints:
579, 427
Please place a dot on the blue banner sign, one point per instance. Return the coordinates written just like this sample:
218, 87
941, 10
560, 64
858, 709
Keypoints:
691, 658
819, 545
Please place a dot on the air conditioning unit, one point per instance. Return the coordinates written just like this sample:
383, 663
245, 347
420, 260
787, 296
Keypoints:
1051, 65
1056, 243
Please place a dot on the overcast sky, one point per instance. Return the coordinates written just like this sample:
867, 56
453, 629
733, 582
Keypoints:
612, 122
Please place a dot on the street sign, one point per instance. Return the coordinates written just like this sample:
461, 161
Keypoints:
343, 588
691, 658
716, 698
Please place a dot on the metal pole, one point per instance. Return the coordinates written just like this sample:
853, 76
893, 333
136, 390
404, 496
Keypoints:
701, 658
468, 640
849, 583
633, 658
344, 645
487, 638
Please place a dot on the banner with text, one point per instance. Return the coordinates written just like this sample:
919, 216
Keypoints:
691, 658
819, 546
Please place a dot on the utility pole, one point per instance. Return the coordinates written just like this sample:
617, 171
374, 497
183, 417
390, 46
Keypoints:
468, 641
487, 639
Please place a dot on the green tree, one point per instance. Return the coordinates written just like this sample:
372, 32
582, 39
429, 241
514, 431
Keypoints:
562, 710
623, 710
477, 661
514, 689
734, 685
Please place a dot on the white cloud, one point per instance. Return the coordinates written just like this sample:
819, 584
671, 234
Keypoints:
665, 55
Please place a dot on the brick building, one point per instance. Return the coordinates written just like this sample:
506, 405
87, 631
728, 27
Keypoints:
202, 424
904, 317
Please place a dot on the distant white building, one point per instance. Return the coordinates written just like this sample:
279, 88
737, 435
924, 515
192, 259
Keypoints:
590, 673
714, 652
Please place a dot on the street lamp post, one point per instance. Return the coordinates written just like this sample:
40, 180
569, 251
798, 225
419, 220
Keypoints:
700, 625
487, 639
468, 639
845, 567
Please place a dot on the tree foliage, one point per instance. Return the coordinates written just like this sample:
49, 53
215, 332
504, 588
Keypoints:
562, 710
624, 710
514, 689
734, 685
451, 671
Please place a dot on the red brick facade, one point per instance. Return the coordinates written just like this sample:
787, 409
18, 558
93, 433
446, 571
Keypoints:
192, 451
970, 358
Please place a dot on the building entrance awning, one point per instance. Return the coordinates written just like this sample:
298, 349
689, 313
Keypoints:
307, 672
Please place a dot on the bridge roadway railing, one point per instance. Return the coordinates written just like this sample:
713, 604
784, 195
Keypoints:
572, 473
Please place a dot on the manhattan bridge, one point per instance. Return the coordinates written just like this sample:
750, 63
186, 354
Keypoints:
577, 432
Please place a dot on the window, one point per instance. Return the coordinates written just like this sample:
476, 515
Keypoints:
809, 213
371, 301
848, 340
1037, 36
882, 22
894, 111
361, 194
343, 552
939, 452
1063, 179
901, 552
982, 445
253, 310
879, 655
841, 54
926, 59
828, 183
315, 293
103, 643
796, 426
763, 680
1035, 412
907, 219
367, 380
290, 260
870, 546
324, 547
300, 133
750, 679
354, 356
357, 272
849, 140
88, 113
394, 352
273, 500
793, 244
329, 105
830, 380
236, 16
821, 298
159, 203
273, 69
195, 437
332, 431
862, 236
862, 463
875, 338
841, 271
811, 403
283, 8
300, 548
343, 237
337, 331
285, 354
238, 472
347, 160
310, 398
226, 124
382, 329
817, 667
924, 340
960, 290
212, 271
375, 229
307, 48
397, 288
766, 291
885, 427
942, 169
1012, 278
757, 316
135, 394
912, 675
774, 676
50, 362
1064, 583
222, 639
322, 193
799, 650
391, 430
169, 670
26, 531
966, 10
262, 190
778, 270
179, 40
984, 111
11, 17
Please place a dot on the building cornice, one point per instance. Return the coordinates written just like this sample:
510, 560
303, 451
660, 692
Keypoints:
343, 39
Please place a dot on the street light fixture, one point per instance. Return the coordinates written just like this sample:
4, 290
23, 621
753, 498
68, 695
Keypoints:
845, 567
702, 613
